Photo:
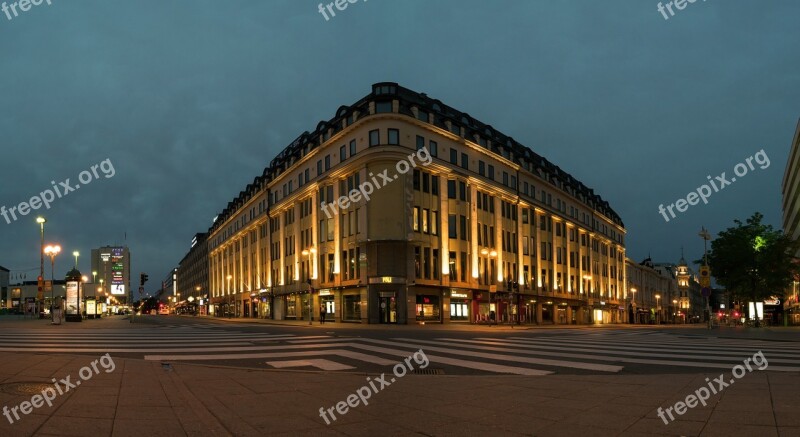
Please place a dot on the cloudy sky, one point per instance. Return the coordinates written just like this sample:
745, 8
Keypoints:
190, 100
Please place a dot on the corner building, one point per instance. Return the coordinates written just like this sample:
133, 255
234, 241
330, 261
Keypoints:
481, 229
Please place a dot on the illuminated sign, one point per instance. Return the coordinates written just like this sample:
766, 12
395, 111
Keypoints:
72, 297
325, 292
772, 301
118, 289
459, 295
105, 257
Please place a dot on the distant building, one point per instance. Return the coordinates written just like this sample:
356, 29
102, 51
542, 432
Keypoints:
192, 276
653, 293
4, 297
791, 218
111, 269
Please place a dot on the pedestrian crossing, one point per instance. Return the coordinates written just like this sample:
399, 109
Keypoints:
531, 353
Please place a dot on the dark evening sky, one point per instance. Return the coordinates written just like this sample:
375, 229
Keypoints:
190, 100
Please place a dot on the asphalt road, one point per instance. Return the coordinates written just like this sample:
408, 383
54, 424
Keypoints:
447, 350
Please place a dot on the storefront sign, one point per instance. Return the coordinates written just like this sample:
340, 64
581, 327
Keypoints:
325, 292
387, 280
772, 301
386, 294
459, 295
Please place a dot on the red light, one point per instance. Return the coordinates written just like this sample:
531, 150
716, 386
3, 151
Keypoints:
426, 300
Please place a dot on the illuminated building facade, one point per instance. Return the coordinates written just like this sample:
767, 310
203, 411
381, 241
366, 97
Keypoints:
481, 229
112, 265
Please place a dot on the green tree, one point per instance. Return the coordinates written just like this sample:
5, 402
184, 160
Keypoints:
753, 261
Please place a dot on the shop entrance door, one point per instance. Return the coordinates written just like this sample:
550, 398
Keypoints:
388, 310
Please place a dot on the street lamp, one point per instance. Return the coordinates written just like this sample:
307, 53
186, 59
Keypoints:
658, 309
76, 254
52, 251
41, 222
674, 309
633, 303
309, 253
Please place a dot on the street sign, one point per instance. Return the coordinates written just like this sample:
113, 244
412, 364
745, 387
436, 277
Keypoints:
705, 277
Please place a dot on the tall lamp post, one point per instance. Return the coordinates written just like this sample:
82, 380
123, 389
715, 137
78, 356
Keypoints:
76, 254
41, 222
674, 310
492, 255
658, 309
633, 304
309, 253
52, 251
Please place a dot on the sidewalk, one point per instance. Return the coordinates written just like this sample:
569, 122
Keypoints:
434, 326
145, 398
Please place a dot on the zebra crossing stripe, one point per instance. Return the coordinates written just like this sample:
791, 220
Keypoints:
487, 367
684, 346
601, 357
320, 363
494, 356
552, 350
339, 352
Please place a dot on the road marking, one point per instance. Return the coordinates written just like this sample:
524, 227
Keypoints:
540, 361
339, 352
488, 367
319, 363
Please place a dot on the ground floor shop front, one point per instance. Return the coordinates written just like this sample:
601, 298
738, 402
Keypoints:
398, 303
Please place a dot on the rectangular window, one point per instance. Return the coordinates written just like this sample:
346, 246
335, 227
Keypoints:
435, 185
327, 162
435, 262
426, 263
420, 142
464, 161
505, 178
342, 153
453, 156
491, 172
463, 223
416, 219
352, 148
394, 137
415, 177
434, 222
319, 167
434, 149
481, 168
425, 217
374, 138
451, 189
462, 191
382, 107
451, 226
426, 183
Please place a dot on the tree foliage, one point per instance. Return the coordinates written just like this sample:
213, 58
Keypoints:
752, 260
